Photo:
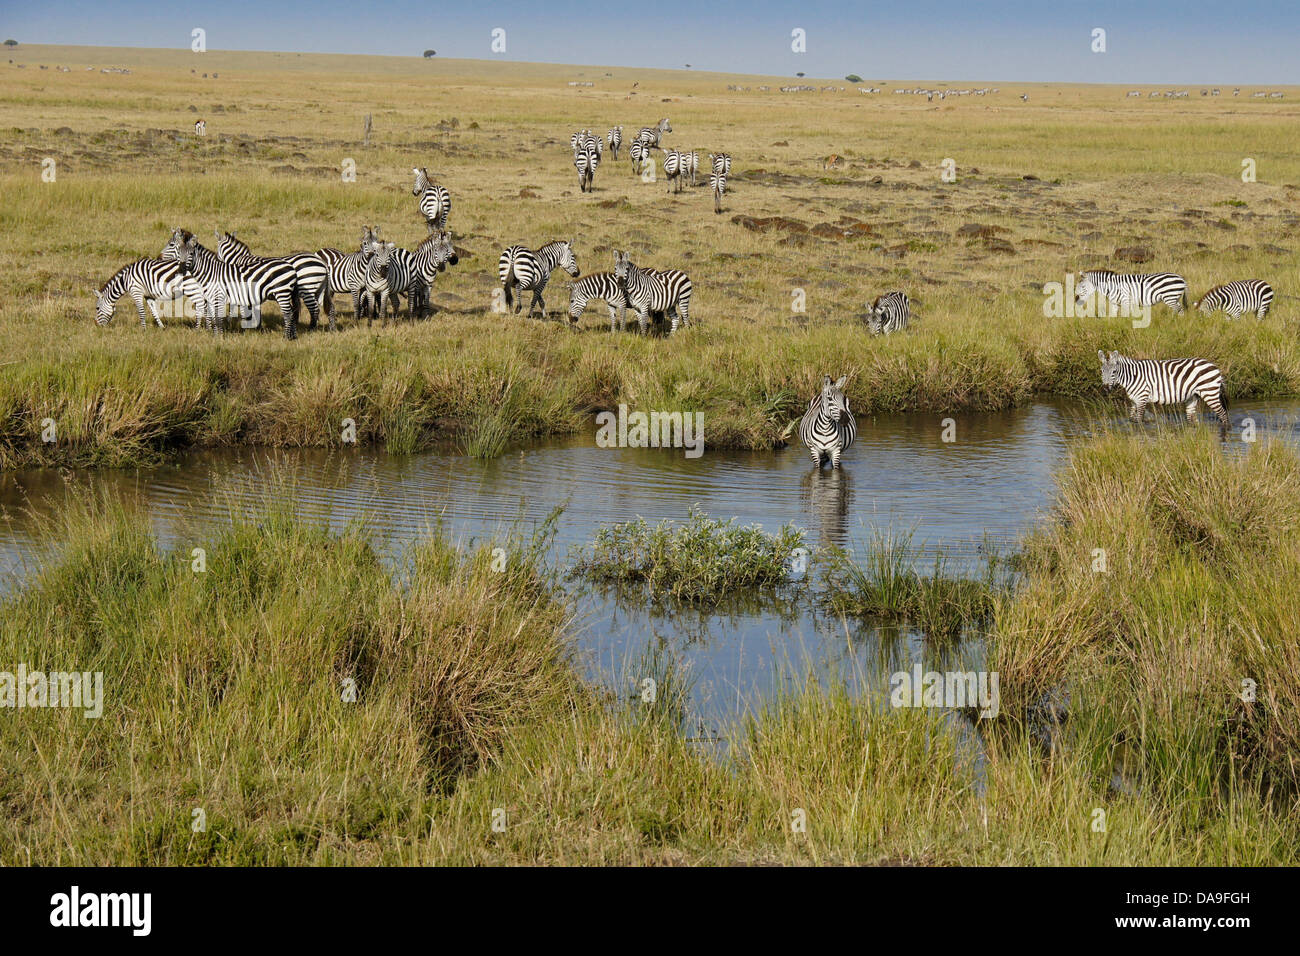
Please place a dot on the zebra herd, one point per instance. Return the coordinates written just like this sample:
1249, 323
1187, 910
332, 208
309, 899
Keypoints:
681, 167
1140, 291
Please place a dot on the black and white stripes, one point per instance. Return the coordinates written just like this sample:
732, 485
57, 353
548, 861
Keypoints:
652, 135
1133, 291
435, 200
215, 286
828, 427
598, 285
145, 280
1166, 382
654, 290
720, 167
586, 157
1236, 298
525, 270
889, 313
615, 138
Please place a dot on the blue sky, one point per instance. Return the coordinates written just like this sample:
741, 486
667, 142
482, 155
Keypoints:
1147, 41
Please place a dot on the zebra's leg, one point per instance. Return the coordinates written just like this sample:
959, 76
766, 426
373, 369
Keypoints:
313, 307
684, 308
672, 310
138, 295
157, 315
1191, 409
643, 321
1138, 411
286, 303
835, 457
816, 456
537, 298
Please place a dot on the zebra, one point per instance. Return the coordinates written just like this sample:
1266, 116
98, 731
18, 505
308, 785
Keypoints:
828, 427
615, 137
675, 164
1133, 291
526, 270
1166, 382
654, 290
311, 270
639, 153
651, 135
720, 164
383, 282
1234, 298
692, 167
598, 285
435, 200
586, 157
347, 273
889, 313
430, 257
144, 279
214, 285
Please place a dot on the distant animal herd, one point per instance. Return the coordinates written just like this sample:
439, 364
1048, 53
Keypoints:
230, 279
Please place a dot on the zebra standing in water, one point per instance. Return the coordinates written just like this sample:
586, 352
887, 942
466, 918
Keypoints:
430, 257
311, 269
674, 166
598, 285
435, 200
1166, 382
144, 279
1133, 291
586, 157
651, 135
889, 313
720, 164
214, 285
654, 290
828, 427
524, 270
1234, 298
615, 136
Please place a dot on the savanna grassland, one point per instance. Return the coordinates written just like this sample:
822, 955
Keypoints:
1108, 172
1122, 689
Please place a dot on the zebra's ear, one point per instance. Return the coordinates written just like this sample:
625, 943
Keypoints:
1114, 355
826, 381
843, 380
1101, 355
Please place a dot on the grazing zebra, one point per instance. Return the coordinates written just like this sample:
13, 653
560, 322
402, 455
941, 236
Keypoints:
720, 164
586, 157
1166, 382
144, 279
435, 200
651, 135
1234, 298
889, 313
311, 269
654, 290
1133, 291
525, 270
598, 285
674, 166
430, 257
615, 136
639, 153
828, 427
214, 285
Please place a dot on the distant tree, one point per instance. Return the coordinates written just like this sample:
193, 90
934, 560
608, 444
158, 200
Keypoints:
11, 42
798, 74
429, 53
853, 78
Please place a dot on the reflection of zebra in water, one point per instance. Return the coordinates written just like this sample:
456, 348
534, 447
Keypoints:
828, 427
1133, 291
828, 496
889, 313
1234, 298
1166, 382
525, 270
143, 280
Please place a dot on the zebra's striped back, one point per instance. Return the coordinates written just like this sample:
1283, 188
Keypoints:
1166, 382
434, 200
1133, 291
654, 290
720, 168
615, 137
675, 164
144, 279
889, 313
828, 427
586, 157
598, 285
1235, 298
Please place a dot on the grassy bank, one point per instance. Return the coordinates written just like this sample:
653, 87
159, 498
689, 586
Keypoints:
223, 693
1104, 173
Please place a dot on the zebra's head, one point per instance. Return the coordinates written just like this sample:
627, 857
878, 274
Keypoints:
379, 260
1109, 368
444, 252
568, 261
103, 308
180, 249
371, 243
1083, 288
834, 402
665, 126
622, 268
421, 180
